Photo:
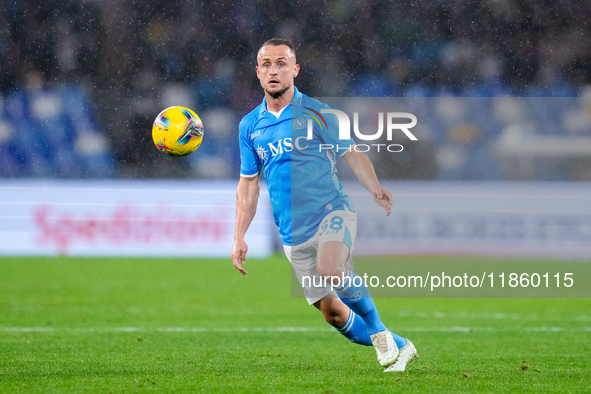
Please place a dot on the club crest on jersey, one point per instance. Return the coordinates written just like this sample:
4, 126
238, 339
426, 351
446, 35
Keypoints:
299, 123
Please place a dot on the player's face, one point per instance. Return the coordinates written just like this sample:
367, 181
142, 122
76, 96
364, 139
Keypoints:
276, 69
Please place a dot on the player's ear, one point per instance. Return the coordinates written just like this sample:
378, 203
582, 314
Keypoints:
257, 71
296, 70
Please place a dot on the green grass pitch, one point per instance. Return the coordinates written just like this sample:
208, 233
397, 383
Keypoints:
135, 325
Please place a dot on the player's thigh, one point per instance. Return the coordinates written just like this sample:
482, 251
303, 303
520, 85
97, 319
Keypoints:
332, 258
336, 236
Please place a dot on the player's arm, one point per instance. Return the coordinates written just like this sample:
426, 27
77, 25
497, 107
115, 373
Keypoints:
364, 171
247, 195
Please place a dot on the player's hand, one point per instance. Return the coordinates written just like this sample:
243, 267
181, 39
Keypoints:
239, 255
384, 199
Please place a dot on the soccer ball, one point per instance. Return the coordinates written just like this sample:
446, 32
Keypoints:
177, 131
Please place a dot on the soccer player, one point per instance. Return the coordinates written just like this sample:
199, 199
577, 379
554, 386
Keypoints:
316, 220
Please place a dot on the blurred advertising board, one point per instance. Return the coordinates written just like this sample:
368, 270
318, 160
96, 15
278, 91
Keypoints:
127, 218
196, 219
476, 218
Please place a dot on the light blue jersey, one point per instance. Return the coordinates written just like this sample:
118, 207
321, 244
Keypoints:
301, 177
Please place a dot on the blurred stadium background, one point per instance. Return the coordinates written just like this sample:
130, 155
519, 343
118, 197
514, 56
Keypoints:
507, 85
502, 167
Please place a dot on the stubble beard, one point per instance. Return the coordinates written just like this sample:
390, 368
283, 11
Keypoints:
278, 93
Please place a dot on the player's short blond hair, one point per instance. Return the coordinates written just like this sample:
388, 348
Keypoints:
274, 42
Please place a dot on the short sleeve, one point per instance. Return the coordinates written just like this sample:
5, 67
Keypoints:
249, 160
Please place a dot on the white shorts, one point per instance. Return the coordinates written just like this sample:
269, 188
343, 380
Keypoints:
336, 226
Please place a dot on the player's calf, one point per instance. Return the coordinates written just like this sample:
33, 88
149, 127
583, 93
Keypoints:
344, 320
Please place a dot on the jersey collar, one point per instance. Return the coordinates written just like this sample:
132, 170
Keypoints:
296, 100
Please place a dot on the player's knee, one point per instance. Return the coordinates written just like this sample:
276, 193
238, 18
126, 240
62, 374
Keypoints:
331, 318
333, 272
333, 313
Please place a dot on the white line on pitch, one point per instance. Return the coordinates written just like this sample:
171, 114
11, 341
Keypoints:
459, 329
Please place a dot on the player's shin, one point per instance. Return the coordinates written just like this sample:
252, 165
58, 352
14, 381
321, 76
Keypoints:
355, 295
355, 330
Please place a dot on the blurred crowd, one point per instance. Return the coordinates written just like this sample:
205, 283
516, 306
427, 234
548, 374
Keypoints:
517, 46
135, 57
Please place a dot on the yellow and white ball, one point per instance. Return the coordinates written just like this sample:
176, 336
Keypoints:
177, 131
